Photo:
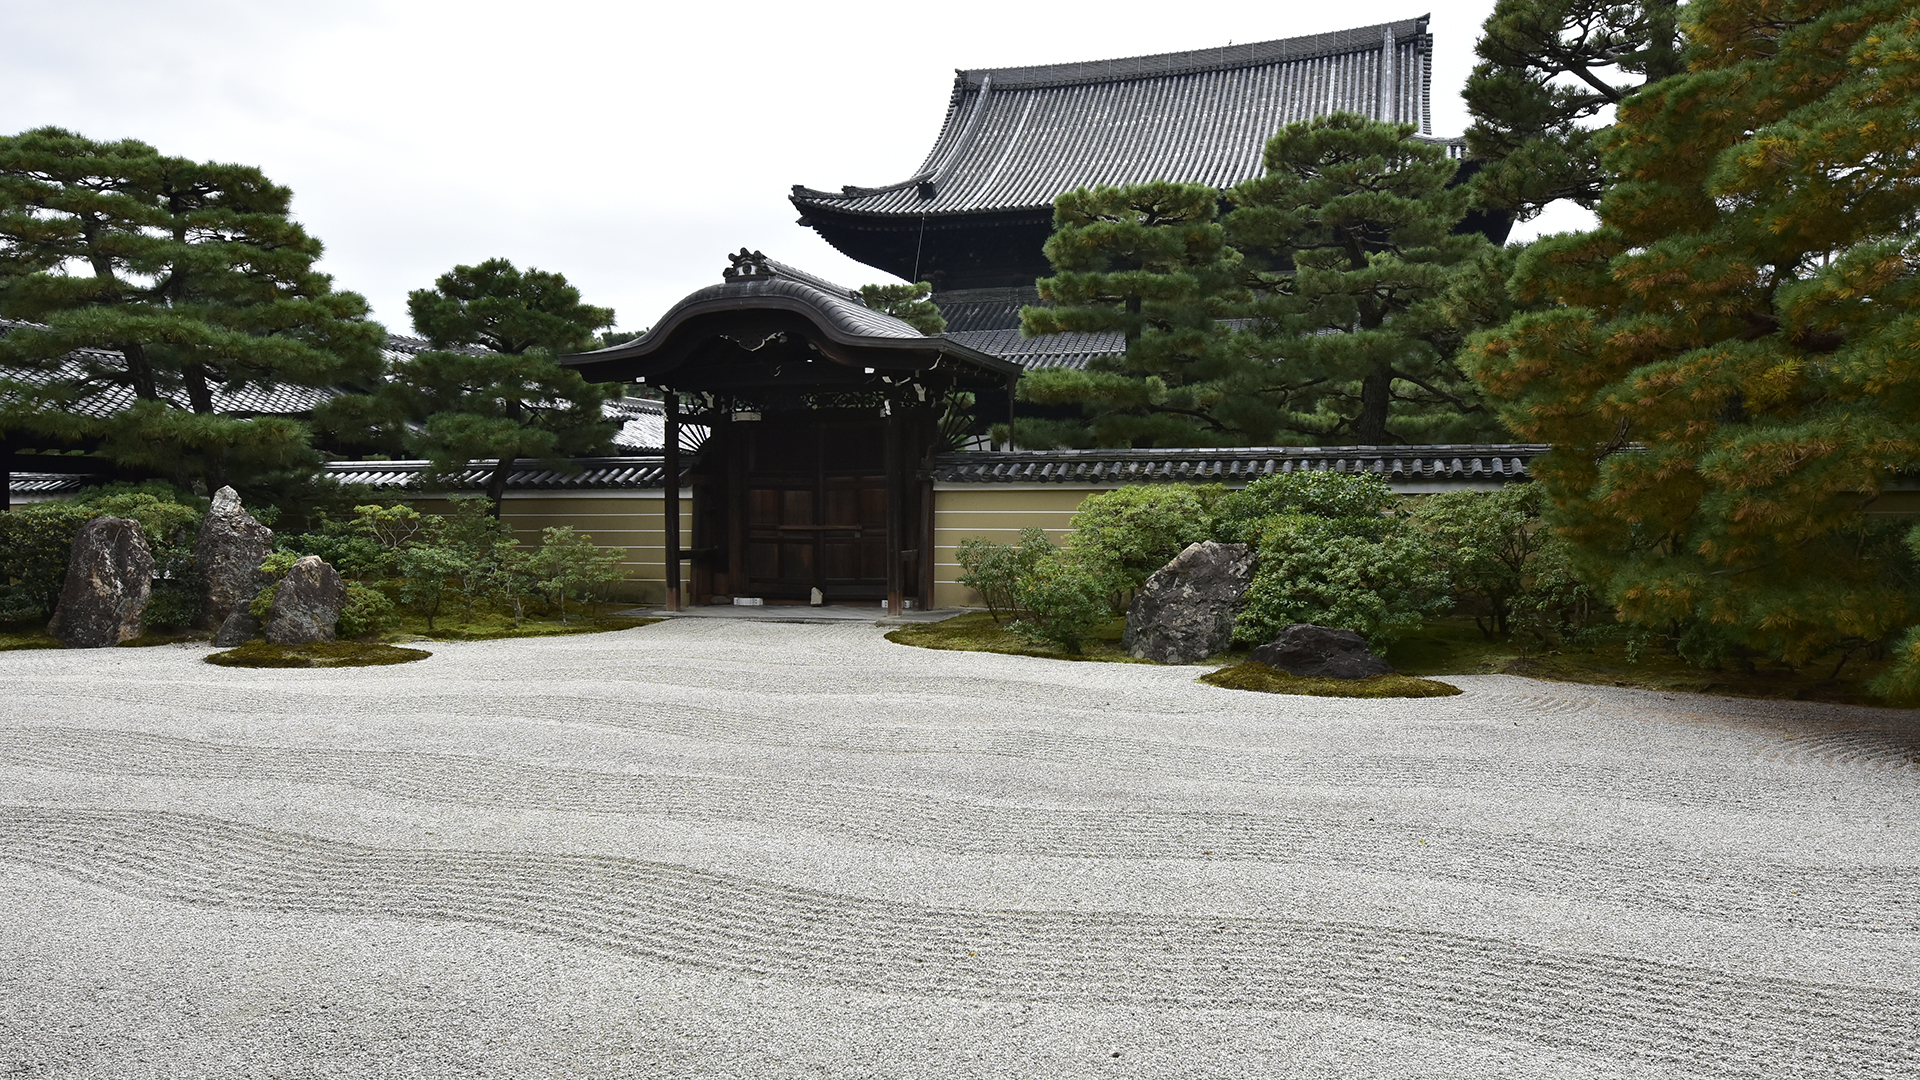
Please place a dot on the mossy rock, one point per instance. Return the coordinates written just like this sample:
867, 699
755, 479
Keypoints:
260, 654
1260, 677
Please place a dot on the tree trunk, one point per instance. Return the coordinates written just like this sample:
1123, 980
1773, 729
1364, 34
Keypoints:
497, 486
140, 372
199, 394
1370, 427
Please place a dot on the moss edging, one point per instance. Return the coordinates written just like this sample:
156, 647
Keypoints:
1256, 676
259, 654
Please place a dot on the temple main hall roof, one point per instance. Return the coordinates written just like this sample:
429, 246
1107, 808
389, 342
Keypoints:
1015, 138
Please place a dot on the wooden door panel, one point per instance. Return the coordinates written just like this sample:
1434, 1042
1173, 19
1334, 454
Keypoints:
842, 506
816, 511
796, 506
763, 508
796, 562
873, 506
763, 561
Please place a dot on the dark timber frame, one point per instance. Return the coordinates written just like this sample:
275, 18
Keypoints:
809, 420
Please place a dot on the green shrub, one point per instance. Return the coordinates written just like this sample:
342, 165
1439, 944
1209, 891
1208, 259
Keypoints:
367, 611
1373, 576
36, 542
569, 566
169, 521
426, 571
1064, 603
1121, 537
1505, 567
995, 571
1315, 494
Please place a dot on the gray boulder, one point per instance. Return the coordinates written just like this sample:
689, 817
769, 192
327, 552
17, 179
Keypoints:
238, 629
1321, 652
306, 607
227, 555
1185, 611
109, 580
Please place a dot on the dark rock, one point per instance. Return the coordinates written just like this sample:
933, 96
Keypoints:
1185, 611
1320, 652
227, 555
109, 580
306, 606
240, 628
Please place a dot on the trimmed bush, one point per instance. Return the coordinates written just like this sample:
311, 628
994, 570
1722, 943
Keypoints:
35, 543
367, 611
995, 571
1064, 604
1505, 567
1121, 537
1314, 494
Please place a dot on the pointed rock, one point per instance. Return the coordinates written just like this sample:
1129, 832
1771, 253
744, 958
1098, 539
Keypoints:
306, 606
227, 555
109, 581
1185, 611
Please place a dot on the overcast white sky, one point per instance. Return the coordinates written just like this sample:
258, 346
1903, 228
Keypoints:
627, 145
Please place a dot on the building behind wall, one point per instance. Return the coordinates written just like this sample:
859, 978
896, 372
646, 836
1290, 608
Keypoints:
973, 219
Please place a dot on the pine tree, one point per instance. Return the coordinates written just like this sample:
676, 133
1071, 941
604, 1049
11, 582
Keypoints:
1354, 274
1149, 262
908, 303
1728, 371
1549, 68
165, 284
490, 387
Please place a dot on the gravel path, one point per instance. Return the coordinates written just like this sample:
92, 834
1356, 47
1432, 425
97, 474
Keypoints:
719, 848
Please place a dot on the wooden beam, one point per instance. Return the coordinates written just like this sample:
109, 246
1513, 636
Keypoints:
672, 480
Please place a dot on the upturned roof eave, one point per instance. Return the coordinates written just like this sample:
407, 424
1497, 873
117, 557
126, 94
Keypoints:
831, 202
656, 338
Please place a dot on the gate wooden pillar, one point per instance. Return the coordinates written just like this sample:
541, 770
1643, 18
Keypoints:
896, 491
672, 508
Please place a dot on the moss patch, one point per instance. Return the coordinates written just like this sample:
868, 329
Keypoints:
33, 639
499, 627
1260, 677
1456, 647
977, 632
259, 654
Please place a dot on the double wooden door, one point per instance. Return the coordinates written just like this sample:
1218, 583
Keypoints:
814, 513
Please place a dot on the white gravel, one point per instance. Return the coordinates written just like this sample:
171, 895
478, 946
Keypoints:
729, 849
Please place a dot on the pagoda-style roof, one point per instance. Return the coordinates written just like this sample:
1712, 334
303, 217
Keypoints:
1016, 138
769, 325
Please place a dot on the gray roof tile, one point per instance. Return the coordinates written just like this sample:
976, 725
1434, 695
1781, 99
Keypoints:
1445, 463
1015, 138
1045, 351
586, 474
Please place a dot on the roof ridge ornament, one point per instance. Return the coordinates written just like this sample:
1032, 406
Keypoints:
748, 266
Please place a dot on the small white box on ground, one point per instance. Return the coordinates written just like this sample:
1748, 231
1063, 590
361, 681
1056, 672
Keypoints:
748, 601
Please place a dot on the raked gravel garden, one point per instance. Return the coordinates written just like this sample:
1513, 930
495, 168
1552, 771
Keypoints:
724, 848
